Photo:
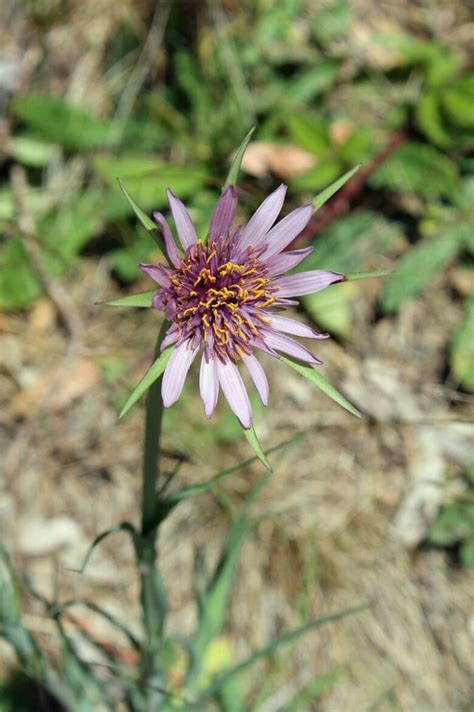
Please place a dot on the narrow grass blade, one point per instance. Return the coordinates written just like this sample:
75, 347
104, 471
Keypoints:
312, 375
253, 441
147, 223
312, 690
60, 608
235, 167
328, 192
193, 490
144, 299
269, 649
213, 604
122, 527
353, 276
153, 373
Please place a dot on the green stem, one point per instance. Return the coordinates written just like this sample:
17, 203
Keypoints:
152, 596
151, 446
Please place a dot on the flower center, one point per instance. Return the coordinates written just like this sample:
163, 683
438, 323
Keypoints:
220, 297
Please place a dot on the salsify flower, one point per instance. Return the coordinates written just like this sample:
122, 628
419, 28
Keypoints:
225, 296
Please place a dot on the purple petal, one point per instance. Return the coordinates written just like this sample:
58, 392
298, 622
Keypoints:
184, 226
175, 373
223, 214
208, 385
158, 273
170, 245
295, 285
170, 339
262, 220
287, 230
290, 326
258, 376
290, 347
234, 391
279, 264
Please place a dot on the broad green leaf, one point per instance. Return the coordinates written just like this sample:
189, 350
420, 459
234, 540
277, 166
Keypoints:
458, 102
466, 554
275, 645
317, 177
143, 217
455, 523
331, 309
70, 225
309, 132
55, 119
144, 299
153, 373
233, 174
430, 121
122, 527
328, 192
461, 355
355, 276
418, 168
32, 151
147, 178
416, 269
19, 284
253, 441
332, 21
308, 84
315, 377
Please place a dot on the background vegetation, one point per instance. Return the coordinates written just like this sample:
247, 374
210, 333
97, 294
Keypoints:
160, 94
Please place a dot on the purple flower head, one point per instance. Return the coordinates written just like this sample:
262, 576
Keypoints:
225, 297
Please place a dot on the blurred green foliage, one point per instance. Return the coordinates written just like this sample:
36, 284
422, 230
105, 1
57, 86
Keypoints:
234, 70
454, 526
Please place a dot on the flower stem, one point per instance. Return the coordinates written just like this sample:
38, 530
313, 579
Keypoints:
152, 596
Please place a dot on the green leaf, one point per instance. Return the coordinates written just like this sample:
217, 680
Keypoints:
466, 554
317, 177
32, 151
153, 373
19, 284
461, 355
416, 269
312, 375
328, 192
309, 132
144, 299
70, 225
354, 276
307, 695
419, 168
147, 178
54, 119
307, 85
458, 102
430, 121
122, 527
331, 308
270, 649
233, 174
143, 217
455, 523
253, 441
